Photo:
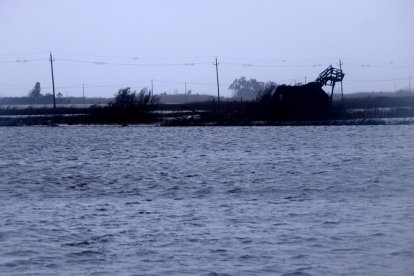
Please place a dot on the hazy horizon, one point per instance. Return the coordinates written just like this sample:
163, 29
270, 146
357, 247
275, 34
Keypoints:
108, 45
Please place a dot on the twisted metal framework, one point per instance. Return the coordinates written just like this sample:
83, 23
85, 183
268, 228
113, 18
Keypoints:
330, 76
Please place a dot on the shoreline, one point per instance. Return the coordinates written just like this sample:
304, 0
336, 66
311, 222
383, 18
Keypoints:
82, 120
208, 114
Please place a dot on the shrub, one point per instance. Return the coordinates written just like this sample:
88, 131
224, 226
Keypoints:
125, 98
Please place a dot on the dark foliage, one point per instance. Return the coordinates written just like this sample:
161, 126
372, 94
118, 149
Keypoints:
35, 92
128, 107
248, 89
283, 105
125, 98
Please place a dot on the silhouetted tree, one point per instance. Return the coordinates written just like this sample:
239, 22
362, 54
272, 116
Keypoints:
145, 97
35, 92
249, 89
246, 89
125, 98
266, 95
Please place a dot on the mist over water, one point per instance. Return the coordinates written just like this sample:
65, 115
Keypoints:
335, 200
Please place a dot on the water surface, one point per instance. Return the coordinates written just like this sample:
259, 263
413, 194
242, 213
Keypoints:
335, 200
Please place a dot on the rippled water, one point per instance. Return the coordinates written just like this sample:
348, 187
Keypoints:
207, 201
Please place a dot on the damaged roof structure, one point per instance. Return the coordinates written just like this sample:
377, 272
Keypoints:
306, 99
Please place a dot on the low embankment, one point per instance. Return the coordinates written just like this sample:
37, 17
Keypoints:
210, 113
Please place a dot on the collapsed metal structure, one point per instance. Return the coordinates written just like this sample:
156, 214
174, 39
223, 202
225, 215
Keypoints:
330, 76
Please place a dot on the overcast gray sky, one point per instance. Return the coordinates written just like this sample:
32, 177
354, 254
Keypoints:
281, 41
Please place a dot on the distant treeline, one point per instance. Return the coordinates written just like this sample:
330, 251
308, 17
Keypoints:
198, 114
48, 100
274, 104
378, 102
357, 100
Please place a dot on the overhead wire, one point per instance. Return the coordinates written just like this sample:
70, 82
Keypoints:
377, 80
129, 64
23, 60
132, 57
226, 61
24, 54
245, 61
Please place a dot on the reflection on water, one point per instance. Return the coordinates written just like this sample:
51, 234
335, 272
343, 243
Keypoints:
254, 200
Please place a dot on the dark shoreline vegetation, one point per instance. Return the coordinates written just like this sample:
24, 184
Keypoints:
132, 108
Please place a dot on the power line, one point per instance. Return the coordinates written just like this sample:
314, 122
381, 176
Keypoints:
23, 54
133, 57
136, 83
273, 65
131, 64
280, 64
188, 82
23, 60
377, 80
389, 61
367, 65
275, 59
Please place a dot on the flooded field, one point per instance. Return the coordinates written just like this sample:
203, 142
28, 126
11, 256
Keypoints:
306, 200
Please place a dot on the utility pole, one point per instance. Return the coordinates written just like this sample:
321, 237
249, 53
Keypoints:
218, 85
152, 87
53, 82
83, 93
185, 92
305, 79
342, 88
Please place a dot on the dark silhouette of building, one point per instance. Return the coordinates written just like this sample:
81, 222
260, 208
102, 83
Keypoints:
301, 100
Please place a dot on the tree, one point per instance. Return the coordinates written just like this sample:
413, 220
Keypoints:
145, 97
125, 98
35, 92
270, 84
266, 95
246, 89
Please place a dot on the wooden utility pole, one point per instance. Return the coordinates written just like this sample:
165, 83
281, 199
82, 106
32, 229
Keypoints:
185, 92
53, 81
342, 88
218, 85
152, 87
83, 93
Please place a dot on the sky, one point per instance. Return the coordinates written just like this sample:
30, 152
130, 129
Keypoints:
104, 45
